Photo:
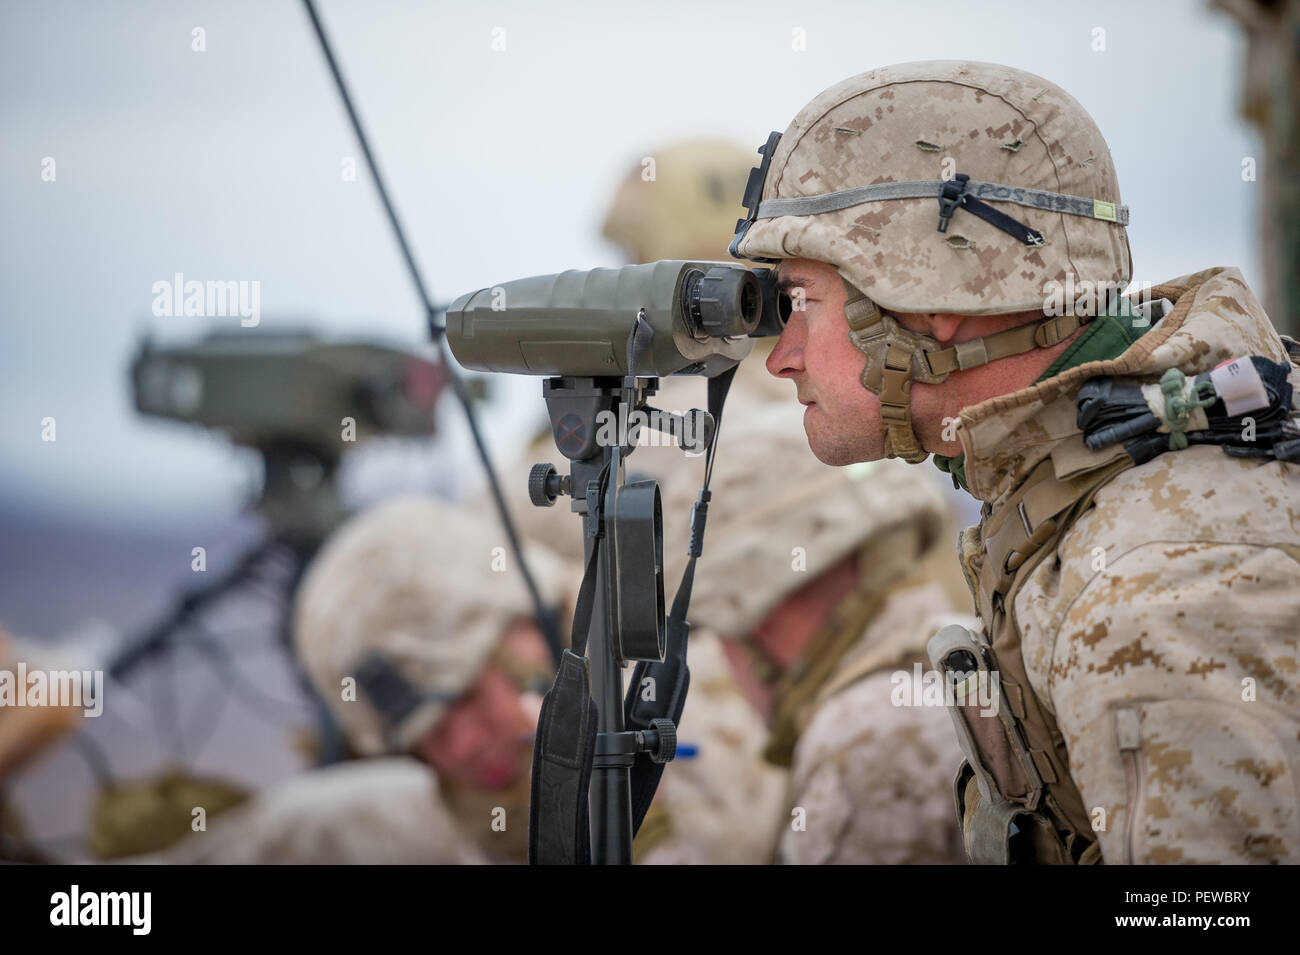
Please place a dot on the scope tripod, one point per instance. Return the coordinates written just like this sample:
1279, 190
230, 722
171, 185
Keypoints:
599, 757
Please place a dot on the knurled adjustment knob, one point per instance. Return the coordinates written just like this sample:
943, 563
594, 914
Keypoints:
541, 489
666, 746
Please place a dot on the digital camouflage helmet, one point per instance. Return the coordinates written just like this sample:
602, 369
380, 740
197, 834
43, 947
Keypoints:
947, 187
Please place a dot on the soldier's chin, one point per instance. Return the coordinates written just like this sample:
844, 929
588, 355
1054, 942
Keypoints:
830, 446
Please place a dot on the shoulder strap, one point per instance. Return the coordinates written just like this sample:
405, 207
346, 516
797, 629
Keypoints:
1019, 535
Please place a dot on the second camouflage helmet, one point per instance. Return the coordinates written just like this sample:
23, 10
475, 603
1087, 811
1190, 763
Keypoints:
684, 206
400, 610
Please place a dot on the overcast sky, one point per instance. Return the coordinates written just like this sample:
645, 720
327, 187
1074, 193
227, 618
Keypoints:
225, 164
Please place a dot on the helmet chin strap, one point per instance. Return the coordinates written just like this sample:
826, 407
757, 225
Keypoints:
890, 351
897, 356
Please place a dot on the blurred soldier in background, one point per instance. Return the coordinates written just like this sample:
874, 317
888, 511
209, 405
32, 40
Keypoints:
305, 403
679, 202
825, 583
682, 202
419, 637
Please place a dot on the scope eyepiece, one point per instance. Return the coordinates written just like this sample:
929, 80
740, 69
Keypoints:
776, 306
724, 302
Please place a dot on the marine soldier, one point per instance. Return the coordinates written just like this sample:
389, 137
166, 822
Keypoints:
420, 639
941, 227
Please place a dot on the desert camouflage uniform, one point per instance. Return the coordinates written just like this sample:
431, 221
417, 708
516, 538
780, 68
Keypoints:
873, 778
1162, 633
1142, 620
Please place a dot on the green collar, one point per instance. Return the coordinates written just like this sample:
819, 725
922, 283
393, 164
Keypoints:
1105, 337
955, 466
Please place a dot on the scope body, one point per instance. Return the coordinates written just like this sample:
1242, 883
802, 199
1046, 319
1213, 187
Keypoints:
577, 323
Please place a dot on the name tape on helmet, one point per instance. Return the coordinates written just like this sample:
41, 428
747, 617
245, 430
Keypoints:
933, 188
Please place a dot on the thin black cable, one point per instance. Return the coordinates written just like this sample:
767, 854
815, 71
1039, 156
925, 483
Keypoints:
546, 617
165, 696
370, 159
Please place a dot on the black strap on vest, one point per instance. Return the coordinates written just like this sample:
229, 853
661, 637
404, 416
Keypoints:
954, 194
1114, 411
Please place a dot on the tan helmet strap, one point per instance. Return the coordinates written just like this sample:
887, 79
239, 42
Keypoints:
895, 405
897, 368
1004, 344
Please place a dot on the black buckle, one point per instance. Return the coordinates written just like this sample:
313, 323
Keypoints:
951, 196
754, 194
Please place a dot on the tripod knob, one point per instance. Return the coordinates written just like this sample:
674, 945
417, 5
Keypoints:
665, 746
543, 485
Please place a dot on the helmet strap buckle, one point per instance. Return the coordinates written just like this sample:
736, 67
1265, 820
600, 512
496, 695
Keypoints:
952, 195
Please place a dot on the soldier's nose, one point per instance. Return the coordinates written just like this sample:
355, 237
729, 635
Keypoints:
944, 327
786, 359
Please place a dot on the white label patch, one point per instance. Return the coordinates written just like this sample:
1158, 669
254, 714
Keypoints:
1237, 383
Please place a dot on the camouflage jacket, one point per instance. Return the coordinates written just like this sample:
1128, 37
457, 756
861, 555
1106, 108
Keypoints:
1161, 635
872, 777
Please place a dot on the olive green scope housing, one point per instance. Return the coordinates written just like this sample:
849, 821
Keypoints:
289, 389
577, 323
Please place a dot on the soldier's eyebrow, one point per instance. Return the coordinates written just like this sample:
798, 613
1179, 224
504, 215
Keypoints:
790, 280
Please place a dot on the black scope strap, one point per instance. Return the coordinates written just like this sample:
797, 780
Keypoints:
559, 826
665, 693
